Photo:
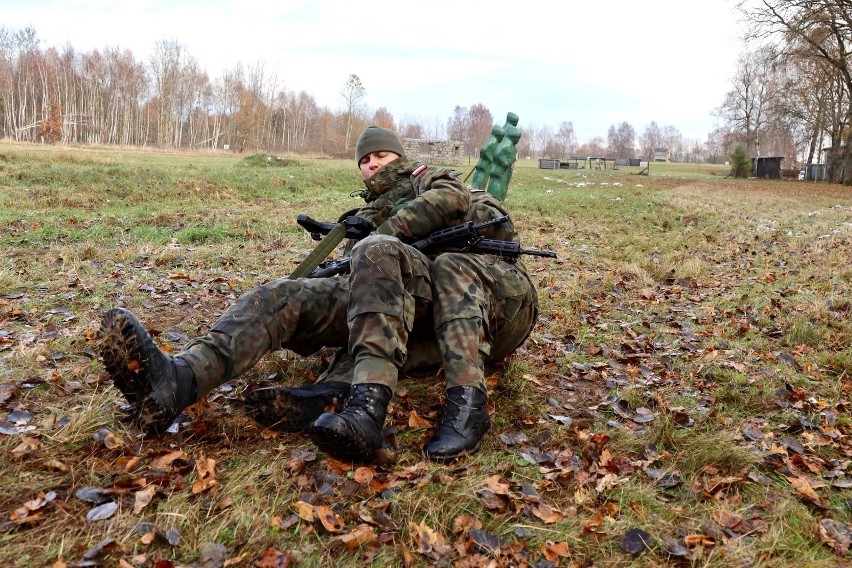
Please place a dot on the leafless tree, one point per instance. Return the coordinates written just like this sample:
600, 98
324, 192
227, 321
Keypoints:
746, 108
353, 92
459, 124
382, 117
622, 141
819, 30
470, 125
714, 147
593, 148
566, 139
226, 92
544, 142
480, 124
304, 114
252, 119
673, 141
166, 62
650, 140
410, 128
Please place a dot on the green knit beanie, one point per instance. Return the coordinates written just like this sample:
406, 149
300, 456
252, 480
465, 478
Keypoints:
377, 139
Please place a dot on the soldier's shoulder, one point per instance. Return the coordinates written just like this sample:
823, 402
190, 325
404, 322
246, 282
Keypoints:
425, 175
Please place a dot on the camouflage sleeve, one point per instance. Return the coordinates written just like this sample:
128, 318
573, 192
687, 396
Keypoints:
442, 200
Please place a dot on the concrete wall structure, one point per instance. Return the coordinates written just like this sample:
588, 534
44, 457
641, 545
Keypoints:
446, 152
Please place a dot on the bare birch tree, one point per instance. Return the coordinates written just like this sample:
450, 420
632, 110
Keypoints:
353, 92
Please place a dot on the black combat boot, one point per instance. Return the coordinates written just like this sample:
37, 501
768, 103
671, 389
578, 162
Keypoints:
295, 409
356, 432
158, 387
464, 421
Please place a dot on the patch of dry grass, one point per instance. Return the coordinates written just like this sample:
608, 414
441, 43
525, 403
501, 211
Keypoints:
689, 376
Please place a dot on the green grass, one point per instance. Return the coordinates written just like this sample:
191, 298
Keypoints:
720, 306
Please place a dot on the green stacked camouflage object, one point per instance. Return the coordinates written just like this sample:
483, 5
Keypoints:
486, 155
502, 162
493, 171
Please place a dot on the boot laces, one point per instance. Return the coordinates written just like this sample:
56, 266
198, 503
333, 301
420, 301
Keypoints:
453, 406
360, 400
360, 397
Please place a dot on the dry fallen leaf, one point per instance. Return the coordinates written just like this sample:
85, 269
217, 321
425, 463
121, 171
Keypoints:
109, 438
338, 466
429, 543
56, 465
273, 558
465, 523
7, 391
364, 475
27, 445
546, 514
417, 421
206, 470
693, 540
143, 497
332, 522
726, 518
164, 462
32, 506
363, 534
553, 551
304, 510
635, 540
594, 523
804, 487
102, 512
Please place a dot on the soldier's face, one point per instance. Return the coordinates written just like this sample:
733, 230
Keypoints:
371, 163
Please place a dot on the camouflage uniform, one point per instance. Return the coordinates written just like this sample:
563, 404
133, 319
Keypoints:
398, 308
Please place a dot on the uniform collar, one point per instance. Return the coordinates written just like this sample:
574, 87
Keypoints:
387, 176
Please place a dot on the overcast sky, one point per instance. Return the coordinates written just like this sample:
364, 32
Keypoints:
595, 64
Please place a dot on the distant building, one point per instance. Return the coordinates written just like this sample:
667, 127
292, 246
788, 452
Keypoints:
768, 167
446, 152
661, 154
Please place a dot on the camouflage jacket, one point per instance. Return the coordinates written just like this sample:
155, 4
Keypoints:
409, 200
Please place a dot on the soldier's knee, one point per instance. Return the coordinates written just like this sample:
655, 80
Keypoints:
376, 243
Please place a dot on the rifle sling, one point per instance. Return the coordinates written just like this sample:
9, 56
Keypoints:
320, 252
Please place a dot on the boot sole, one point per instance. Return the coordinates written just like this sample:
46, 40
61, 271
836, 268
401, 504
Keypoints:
123, 353
284, 410
123, 357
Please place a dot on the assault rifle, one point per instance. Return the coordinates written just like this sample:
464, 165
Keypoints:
356, 227
464, 237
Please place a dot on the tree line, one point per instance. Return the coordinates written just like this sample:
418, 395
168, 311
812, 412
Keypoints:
109, 97
790, 96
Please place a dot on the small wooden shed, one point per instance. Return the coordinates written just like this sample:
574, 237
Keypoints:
768, 167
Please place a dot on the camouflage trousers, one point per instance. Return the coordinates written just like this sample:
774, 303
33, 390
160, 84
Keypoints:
397, 311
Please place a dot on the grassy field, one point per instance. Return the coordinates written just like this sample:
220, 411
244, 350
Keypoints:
684, 399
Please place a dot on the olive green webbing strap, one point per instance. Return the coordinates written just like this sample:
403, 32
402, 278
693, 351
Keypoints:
321, 252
